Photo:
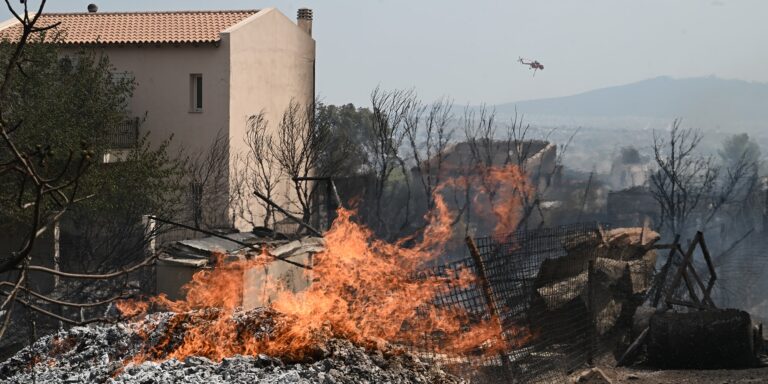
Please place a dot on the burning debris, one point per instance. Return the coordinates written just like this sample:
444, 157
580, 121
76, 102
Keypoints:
109, 354
364, 290
365, 295
582, 288
528, 305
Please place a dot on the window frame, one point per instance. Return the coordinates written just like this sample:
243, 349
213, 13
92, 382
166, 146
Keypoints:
196, 89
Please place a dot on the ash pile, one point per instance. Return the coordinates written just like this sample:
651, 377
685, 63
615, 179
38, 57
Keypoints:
116, 354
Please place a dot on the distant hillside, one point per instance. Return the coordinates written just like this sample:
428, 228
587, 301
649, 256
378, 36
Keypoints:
702, 99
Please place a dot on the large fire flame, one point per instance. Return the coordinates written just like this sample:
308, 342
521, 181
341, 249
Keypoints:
364, 289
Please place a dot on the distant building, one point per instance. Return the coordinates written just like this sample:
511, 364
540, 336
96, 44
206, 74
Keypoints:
198, 73
628, 175
538, 158
634, 206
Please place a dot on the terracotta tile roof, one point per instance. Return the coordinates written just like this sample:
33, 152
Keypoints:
138, 27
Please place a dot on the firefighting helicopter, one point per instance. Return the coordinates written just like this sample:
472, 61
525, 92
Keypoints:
535, 65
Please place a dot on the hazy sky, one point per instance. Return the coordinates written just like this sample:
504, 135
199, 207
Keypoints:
468, 49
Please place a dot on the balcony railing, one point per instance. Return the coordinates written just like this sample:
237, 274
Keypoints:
124, 135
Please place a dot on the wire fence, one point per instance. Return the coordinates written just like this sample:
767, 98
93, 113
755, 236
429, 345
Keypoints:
548, 288
742, 273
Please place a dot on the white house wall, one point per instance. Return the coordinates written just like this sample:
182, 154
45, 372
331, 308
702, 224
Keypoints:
162, 74
272, 63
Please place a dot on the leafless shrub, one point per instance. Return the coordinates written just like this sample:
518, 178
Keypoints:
429, 132
684, 180
257, 171
301, 148
208, 174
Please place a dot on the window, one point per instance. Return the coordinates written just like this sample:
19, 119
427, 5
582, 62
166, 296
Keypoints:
196, 92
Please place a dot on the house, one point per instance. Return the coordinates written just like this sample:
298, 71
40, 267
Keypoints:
635, 206
537, 158
198, 73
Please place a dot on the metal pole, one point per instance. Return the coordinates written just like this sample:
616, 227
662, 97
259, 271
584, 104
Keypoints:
328, 204
290, 216
330, 180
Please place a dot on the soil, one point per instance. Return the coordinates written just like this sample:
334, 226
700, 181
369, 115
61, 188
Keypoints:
653, 376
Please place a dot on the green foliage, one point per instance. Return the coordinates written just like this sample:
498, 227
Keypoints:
65, 103
65, 100
148, 181
350, 128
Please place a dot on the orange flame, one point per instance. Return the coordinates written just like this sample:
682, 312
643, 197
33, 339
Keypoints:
498, 195
512, 186
364, 290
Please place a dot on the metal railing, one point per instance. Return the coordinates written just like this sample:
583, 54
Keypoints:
124, 135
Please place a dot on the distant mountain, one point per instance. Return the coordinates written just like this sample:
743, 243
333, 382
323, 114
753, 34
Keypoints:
708, 99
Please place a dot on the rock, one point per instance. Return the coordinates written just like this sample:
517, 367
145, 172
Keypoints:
193, 361
592, 376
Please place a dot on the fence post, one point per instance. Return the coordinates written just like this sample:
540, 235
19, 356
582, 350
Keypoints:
488, 294
592, 314
149, 233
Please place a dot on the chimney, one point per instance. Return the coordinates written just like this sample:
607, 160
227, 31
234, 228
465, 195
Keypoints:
304, 20
93, 8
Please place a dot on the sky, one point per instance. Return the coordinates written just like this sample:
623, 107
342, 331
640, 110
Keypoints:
468, 50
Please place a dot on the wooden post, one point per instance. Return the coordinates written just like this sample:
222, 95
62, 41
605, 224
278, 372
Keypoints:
681, 270
665, 272
488, 294
592, 312
482, 276
710, 266
631, 353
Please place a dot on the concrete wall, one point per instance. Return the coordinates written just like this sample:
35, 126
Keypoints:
261, 63
163, 93
162, 74
272, 63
